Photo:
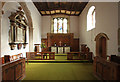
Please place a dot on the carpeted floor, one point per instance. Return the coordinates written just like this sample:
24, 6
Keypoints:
59, 71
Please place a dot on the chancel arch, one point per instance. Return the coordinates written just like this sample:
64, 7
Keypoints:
101, 45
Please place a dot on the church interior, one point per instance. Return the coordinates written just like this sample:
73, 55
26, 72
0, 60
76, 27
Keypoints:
59, 40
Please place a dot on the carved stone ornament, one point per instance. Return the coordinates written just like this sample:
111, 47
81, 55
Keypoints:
18, 28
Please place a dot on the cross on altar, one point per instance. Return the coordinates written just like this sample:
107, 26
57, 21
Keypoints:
60, 43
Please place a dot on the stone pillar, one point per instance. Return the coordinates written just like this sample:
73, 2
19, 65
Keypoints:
30, 24
31, 45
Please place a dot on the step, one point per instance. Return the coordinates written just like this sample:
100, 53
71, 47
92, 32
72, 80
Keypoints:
60, 61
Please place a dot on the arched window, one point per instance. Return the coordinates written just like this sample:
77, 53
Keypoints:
55, 25
91, 18
60, 25
65, 25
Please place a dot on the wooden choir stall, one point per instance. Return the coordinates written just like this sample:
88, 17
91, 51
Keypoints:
107, 69
13, 68
84, 54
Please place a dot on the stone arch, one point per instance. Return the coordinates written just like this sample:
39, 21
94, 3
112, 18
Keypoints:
101, 45
30, 23
101, 35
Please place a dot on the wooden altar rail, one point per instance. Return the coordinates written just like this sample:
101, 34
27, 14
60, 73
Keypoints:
32, 55
81, 55
13, 57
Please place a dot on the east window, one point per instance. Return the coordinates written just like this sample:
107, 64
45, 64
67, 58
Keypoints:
60, 25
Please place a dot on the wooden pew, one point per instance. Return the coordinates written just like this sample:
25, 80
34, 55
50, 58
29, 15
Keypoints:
13, 71
106, 69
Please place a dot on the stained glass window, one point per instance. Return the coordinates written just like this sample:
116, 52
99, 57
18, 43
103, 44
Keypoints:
55, 25
60, 25
65, 25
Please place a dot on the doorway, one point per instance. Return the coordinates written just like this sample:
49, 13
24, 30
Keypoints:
101, 45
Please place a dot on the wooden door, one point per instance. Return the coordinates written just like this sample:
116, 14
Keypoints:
102, 47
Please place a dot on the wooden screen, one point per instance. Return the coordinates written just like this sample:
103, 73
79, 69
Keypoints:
64, 38
56, 38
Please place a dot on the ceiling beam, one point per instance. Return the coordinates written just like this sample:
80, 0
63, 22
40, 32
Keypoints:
67, 6
72, 6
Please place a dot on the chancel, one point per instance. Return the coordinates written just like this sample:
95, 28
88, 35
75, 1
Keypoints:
59, 40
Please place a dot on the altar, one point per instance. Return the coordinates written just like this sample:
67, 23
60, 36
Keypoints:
60, 49
61, 42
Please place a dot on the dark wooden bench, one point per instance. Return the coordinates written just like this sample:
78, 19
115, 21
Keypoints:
106, 69
80, 56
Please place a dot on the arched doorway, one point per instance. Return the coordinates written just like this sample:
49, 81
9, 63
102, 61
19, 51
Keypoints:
101, 45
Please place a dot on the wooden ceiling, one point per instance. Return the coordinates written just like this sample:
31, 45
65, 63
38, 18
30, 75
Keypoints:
67, 8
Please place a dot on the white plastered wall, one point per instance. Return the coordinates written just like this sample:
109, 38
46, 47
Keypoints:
106, 22
36, 19
73, 21
5, 48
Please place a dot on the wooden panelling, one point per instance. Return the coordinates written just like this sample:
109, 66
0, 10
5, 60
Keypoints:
11, 58
106, 70
14, 70
80, 56
40, 56
56, 38
64, 38
75, 45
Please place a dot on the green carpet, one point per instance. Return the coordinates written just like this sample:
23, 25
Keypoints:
61, 71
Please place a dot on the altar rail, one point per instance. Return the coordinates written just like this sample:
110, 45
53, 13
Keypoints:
80, 56
41, 55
